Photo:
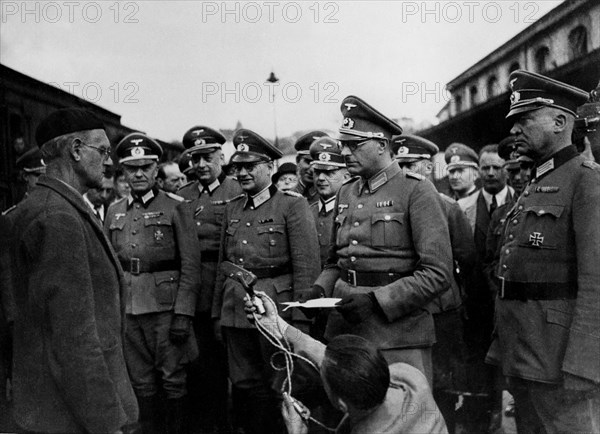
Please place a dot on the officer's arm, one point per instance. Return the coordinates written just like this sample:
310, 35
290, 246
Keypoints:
431, 241
188, 248
583, 347
331, 271
217, 301
60, 286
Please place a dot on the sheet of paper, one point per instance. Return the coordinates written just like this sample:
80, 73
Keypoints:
317, 303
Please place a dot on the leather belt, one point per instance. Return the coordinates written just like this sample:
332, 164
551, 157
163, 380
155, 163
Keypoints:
536, 291
270, 272
209, 256
137, 266
368, 278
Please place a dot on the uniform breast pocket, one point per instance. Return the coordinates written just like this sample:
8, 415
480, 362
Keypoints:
386, 229
116, 232
273, 239
541, 226
161, 231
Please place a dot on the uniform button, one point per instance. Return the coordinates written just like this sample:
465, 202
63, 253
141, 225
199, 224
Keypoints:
354, 242
387, 218
520, 207
270, 229
136, 219
171, 279
197, 223
137, 206
356, 224
134, 232
526, 193
359, 206
542, 212
272, 243
321, 224
248, 224
251, 207
352, 259
244, 242
319, 234
504, 267
241, 259
133, 246
507, 251
511, 236
515, 222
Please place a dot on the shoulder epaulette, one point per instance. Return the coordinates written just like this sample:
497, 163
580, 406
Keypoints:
8, 210
352, 179
187, 184
238, 197
175, 197
415, 176
447, 198
292, 193
591, 164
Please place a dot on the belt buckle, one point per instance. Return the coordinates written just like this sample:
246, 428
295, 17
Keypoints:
352, 277
134, 266
501, 295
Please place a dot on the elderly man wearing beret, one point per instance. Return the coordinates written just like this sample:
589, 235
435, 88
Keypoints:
547, 316
69, 367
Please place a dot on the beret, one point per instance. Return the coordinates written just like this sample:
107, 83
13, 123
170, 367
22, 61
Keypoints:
136, 148
250, 147
531, 91
201, 139
65, 121
409, 148
361, 121
282, 170
302, 145
326, 154
459, 155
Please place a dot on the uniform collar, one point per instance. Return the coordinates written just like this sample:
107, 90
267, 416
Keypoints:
145, 199
556, 160
213, 185
258, 199
380, 178
500, 196
327, 205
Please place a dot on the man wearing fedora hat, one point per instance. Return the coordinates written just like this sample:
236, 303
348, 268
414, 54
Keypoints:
547, 312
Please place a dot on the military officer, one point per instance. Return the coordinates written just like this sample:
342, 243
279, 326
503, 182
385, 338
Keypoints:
272, 234
547, 311
149, 231
329, 173
587, 124
463, 165
390, 252
208, 197
414, 153
305, 176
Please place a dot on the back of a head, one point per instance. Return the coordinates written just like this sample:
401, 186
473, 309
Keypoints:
356, 371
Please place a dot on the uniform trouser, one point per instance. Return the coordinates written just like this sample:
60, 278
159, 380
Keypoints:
207, 377
549, 408
149, 353
251, 374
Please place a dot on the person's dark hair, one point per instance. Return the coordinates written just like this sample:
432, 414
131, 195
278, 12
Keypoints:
492, 149
356, 371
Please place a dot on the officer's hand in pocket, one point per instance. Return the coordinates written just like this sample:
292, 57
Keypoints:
181, 327
357, 308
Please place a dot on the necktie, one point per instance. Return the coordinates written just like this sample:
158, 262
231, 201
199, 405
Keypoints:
493, 205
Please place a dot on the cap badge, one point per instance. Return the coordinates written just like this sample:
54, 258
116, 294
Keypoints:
515, 97
199, 142
348, 123
137, 141
349, 106
197, 132
324, 156
512, 83
403, 150
326, 145
242, 147
454, 159
137, 152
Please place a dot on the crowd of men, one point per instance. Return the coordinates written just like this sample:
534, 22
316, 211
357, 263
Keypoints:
119, 312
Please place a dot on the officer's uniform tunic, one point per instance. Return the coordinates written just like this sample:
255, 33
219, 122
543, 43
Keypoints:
391, 237
548, 314
162, 273
323, 215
